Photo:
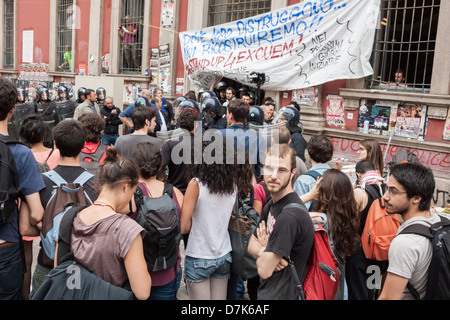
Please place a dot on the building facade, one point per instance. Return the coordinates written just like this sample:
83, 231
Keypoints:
61, 41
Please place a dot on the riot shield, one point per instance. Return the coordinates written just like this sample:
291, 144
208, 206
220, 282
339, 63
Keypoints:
20, 112
65, 109
169, 135
268, 131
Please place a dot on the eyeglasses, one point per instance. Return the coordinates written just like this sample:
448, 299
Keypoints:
270, 171
394, 191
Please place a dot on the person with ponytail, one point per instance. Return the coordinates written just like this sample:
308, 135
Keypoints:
104, 239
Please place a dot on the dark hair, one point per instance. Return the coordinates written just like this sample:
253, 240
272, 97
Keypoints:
88, 92
187, 119
94, 125
268, 99
191, 95
8, 97
239, 109
147, 156
336, 199
374, 153
222, 177
295, 104
117, 169
284, 135
232, 90
364, 166
417, 180
142, 113
33, 130
70, 137
320, 149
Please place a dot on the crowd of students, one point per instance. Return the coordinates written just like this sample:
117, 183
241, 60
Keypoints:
107, 237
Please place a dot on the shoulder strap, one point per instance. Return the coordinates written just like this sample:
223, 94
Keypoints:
168, 188
373, 190
49, 155
313, 174
55, 177
65, 234
419, 229
83, 178
295, 205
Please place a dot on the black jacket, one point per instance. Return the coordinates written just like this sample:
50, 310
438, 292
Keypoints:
112, 120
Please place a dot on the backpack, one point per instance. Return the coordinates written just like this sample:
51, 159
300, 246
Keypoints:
91, 161
438, 283
315, 175
9, 185
243, 222
159, 217
322, 277
380, 227
43, 166
403, 155
64, 196
60, 282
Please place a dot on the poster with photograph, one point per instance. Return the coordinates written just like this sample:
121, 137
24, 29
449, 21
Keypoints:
410, 121
154, 59
164, 56
335, 110
446, 135
306, 96
374, 116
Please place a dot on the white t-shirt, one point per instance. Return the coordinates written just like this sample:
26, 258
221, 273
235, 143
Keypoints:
410, 256
209, 238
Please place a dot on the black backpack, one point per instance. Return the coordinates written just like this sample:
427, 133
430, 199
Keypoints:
159, 217
438, 284
9, 185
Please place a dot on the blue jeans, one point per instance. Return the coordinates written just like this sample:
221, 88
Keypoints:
109, 140
168, 291
198, 269
11, 276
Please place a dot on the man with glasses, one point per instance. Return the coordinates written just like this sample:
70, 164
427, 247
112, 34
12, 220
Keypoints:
410, 189
285, 233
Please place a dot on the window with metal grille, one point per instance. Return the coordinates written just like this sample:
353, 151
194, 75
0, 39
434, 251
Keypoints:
64, 36
223, 11
404, 45
132, 36
8, 37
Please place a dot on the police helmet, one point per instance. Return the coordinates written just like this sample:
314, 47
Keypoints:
142, 101
81, 92
22, 95
63, 91
221, 85
212, 104
179, 100
256, 115
190, 104
290, 114
44, 94
101, 93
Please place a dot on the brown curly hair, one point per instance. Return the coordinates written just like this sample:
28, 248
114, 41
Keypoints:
93, 125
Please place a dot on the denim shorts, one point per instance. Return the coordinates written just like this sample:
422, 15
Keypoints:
198, 269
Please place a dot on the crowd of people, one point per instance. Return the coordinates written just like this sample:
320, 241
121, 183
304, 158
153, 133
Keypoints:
221, 148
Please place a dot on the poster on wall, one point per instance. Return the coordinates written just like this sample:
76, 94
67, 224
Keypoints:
374, 116
154, 59
305, 96
335, 110
446, 135
164, 56
167, 14
410, 121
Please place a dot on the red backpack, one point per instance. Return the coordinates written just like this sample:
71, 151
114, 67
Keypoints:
321, 278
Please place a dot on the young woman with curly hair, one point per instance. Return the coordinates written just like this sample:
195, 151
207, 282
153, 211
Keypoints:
207, 207
336, 206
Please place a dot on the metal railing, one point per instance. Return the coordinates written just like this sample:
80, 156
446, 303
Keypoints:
8, 35
405, 44
223, 11
64, 36
132, 36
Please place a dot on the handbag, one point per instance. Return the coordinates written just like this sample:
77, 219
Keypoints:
243, 222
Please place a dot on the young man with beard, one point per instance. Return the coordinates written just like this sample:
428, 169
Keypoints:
284, 233
409, 192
